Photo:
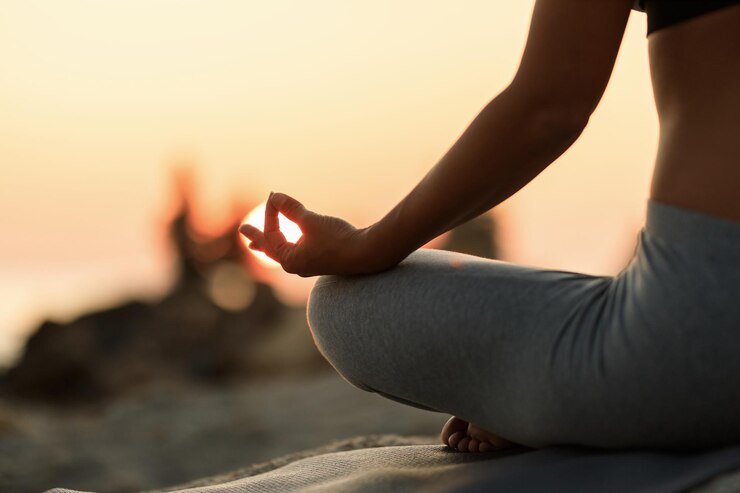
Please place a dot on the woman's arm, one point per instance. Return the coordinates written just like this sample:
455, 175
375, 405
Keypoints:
569, 56
504, 148
567, 61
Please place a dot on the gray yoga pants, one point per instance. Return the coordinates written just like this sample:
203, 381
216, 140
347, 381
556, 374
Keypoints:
649, 358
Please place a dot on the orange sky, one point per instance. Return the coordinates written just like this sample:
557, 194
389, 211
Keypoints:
344, 105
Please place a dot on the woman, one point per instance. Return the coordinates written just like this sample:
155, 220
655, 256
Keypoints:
523, 355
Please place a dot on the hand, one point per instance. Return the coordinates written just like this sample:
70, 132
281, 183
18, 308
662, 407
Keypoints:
329, 245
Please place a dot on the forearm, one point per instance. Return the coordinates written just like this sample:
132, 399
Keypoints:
504, 148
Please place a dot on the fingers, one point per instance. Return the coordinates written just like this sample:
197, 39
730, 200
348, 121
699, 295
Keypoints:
249, 231
272, 223
272, 242
278, 203
275, 240
258, 241
255, 236
290, 207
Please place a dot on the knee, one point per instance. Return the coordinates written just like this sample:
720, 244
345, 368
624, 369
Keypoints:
322, 301
317, 311
329, 315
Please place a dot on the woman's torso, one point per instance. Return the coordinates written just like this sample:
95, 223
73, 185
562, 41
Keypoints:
695, 68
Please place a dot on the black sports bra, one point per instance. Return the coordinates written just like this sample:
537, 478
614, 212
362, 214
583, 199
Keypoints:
664, 13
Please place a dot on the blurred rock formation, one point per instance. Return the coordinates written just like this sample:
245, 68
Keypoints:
204, 330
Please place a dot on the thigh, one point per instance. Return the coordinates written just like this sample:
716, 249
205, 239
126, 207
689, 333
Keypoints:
459, 334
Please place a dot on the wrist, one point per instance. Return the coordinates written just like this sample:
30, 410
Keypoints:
378, 249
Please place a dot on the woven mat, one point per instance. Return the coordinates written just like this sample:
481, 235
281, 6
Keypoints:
381, 463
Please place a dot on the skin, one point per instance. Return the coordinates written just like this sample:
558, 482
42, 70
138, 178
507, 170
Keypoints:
567, 62
695, 70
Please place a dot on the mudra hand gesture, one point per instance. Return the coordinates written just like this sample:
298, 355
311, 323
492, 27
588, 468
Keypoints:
329, 245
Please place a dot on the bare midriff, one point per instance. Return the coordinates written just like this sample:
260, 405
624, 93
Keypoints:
695, 68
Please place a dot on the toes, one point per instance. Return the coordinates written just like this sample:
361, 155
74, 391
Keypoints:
486, 436
467, 437
455, 439
462, 446
453, 425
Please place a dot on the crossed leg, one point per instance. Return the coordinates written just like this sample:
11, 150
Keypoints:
452, 333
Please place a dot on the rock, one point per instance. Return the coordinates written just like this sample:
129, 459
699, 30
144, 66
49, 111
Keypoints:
107, 353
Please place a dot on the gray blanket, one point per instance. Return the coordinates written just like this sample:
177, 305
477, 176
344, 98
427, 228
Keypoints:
416, 464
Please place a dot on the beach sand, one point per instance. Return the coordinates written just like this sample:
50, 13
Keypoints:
167, 435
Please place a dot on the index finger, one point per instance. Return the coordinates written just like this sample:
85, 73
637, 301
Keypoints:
272, 222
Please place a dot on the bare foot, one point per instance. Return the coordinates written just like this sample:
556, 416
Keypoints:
466, 437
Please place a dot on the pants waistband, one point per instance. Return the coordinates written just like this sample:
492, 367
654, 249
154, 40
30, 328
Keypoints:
689, 227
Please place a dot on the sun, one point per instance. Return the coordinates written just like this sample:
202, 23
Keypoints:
256, 218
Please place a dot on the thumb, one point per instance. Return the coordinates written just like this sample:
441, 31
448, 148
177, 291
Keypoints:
290, 207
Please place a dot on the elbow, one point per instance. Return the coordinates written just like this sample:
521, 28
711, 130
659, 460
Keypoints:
551, 117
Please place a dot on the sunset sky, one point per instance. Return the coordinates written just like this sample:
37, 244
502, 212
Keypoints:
342, 104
